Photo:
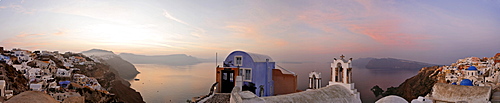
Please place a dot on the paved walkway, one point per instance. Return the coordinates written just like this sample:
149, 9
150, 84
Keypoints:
219, 98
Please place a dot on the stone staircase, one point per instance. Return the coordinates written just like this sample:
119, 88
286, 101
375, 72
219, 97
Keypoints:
495, 97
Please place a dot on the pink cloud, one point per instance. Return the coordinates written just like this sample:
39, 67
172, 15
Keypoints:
21, 9
26, 35
386, 32
255, 33
381, 26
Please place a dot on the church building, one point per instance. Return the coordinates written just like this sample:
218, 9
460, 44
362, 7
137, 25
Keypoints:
341, 74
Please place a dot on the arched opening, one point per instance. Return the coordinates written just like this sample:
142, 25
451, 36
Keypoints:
314, 82
340, 73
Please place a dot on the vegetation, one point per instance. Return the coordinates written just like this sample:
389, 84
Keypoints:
377, 91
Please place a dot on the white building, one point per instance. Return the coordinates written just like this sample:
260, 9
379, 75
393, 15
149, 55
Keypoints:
34, 73
61, 96
63, 73
2, 88
36, 87
342, 75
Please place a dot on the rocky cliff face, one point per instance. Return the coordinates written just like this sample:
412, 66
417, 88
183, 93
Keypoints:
123, 68
108, 78
16, 79
418, 85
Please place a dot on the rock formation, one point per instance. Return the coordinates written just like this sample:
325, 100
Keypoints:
125, 69
418, 85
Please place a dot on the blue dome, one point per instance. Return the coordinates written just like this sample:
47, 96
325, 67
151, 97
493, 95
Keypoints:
471, 68
466, 82
454, 83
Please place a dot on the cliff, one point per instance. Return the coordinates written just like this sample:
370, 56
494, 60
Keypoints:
14, 79
123, 68
106, 76
418, 85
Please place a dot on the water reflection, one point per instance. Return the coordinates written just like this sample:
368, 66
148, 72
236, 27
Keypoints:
164, 83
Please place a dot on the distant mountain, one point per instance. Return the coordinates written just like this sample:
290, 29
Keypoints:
361, 62
392, 63
98, 52
125, 69
175, 59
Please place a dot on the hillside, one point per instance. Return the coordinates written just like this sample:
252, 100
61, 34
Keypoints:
391, 63
418, 85
361, 62
125, 69
175, 59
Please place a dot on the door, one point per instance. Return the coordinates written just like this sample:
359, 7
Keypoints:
227, 82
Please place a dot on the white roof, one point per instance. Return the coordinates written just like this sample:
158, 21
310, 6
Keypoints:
259, 57
391, 99
35, 86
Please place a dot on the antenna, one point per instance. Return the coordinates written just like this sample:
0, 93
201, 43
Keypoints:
216, 59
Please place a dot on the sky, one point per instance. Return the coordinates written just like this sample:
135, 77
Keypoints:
433, 31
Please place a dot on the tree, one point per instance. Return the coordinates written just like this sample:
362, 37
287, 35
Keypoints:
377, 91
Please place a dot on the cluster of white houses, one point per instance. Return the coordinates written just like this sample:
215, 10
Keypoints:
46, 76
473, 71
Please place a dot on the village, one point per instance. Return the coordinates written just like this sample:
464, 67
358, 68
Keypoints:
58, 75
244, 77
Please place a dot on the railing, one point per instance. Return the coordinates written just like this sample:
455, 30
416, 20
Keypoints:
210, 94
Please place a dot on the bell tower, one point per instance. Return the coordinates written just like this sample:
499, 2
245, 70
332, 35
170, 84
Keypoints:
341, 70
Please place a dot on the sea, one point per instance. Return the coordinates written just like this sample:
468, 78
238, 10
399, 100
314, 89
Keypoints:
159, 83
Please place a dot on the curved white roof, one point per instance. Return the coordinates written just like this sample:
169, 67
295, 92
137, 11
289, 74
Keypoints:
391, 99
259, 57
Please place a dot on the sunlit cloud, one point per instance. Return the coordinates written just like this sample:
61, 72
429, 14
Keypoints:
166, 14
197, 31
59, 33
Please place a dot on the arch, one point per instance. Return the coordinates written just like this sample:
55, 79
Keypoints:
340, 72
314, 80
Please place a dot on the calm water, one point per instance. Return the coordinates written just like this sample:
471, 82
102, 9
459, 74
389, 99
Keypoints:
164, 83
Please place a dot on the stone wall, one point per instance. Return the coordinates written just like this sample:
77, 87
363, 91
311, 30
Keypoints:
456, 93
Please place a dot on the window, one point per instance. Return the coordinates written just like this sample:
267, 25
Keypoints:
238, 60
224, 76
246, 74
240, 73
231, 76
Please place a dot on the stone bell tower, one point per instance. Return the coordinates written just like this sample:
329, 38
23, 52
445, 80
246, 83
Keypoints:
341, 70
342, 74
314, 80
